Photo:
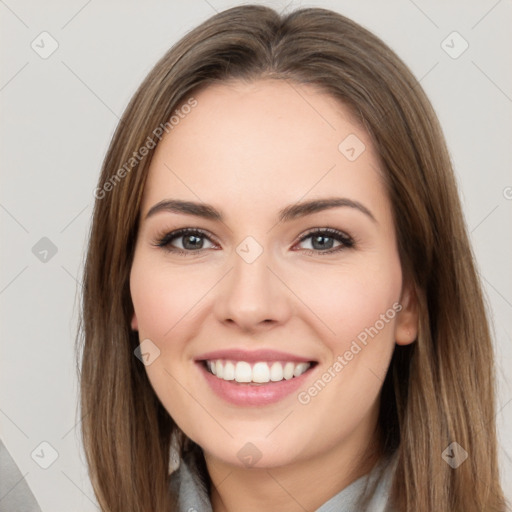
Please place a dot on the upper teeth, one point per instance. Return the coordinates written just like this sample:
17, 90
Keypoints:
261, 372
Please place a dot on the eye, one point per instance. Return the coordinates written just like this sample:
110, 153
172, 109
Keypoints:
326, 240
185, 241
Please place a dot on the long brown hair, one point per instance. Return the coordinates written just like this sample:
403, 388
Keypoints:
437, 391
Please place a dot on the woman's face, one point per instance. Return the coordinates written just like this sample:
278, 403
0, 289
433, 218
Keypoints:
291, 269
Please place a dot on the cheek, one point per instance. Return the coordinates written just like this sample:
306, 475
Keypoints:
163, 298
359, 307
164, 301
352, 299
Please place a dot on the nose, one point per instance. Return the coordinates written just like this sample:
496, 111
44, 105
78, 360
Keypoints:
252, 297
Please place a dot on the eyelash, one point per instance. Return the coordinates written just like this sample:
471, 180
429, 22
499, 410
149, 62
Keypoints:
165, 239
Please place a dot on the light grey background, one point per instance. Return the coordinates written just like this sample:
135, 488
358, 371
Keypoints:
59, 113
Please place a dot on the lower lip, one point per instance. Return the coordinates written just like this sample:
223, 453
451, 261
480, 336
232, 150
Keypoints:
246, 394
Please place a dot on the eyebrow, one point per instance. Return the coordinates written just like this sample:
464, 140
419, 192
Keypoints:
287, 214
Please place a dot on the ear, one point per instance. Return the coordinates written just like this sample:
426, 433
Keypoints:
406, 326
134, 323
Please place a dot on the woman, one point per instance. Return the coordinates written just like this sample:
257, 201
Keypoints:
280, 306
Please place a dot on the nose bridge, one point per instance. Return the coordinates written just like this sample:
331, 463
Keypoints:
251, 294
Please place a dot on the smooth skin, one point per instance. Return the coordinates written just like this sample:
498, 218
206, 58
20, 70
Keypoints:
249, 151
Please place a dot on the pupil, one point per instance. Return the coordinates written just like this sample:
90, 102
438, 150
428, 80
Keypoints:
320, 240
192, 242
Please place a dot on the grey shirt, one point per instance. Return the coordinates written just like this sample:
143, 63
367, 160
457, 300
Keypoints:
193, 495
15, 494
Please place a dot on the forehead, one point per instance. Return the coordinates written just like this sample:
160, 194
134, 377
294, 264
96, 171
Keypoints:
270, 140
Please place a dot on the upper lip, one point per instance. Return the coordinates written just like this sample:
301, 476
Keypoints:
253, 356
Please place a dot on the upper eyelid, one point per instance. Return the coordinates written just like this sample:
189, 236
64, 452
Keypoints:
180, 232
331, 231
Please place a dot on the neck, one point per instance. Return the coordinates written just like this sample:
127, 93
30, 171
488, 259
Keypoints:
298, 486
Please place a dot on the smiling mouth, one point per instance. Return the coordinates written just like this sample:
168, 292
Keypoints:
261, 372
